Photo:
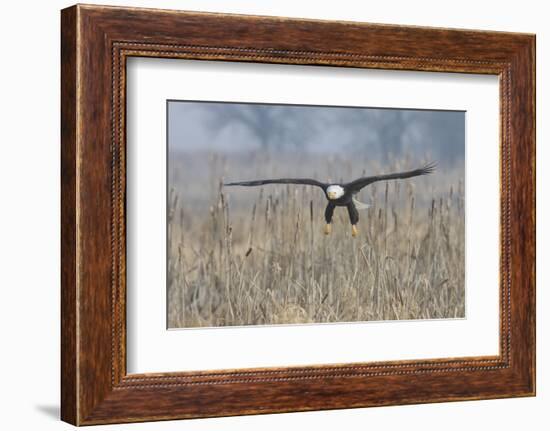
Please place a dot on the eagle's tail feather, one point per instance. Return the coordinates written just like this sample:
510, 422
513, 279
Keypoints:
360, 205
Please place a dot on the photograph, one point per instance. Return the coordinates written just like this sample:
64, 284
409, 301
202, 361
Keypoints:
281, 214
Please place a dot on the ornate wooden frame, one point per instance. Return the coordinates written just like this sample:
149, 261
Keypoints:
95, 42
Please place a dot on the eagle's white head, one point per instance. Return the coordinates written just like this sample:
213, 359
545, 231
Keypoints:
335, 191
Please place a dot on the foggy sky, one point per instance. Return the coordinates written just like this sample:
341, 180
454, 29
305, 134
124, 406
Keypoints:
382, 133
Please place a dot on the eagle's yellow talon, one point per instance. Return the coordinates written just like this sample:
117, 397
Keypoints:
354, 231
328, 229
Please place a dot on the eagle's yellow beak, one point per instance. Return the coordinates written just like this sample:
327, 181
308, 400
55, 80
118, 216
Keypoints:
331, 195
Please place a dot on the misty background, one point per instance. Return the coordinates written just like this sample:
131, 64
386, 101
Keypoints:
380, 133
212, 142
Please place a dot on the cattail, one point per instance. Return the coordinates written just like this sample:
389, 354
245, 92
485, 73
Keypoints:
252, 227
228, 264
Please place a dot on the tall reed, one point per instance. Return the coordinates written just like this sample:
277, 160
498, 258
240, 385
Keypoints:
267, 262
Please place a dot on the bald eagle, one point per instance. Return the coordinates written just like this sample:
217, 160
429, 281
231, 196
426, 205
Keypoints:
340, 195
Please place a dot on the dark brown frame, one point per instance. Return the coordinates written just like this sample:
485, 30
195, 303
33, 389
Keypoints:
95, 43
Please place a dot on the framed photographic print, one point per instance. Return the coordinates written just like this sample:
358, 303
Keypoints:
264, 214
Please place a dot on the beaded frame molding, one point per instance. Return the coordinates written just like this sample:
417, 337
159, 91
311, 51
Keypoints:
95, 43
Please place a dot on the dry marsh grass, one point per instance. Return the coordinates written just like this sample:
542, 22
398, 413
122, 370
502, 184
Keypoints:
258, 256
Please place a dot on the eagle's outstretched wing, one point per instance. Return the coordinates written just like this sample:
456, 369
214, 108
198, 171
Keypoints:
305, 181
359, 183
